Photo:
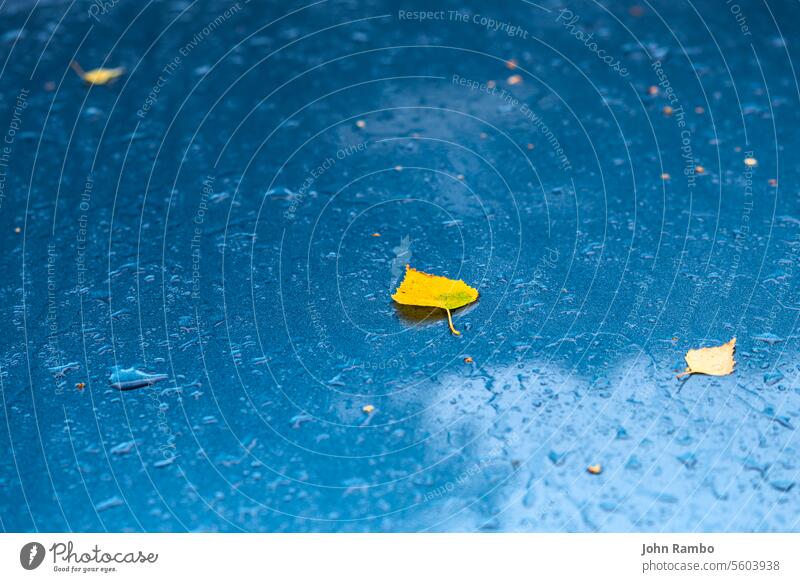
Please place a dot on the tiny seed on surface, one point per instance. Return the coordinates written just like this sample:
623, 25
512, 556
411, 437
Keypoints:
595, 469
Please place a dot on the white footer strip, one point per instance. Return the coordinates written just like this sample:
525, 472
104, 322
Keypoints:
402, 557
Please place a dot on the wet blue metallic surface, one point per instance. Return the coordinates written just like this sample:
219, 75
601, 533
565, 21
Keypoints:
209, 217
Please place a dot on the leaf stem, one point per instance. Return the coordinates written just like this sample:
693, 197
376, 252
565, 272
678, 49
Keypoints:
686, 373
77, 68
450, 321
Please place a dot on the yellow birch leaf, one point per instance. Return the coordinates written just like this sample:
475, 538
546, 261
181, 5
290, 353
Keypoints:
716, 361
424, 290
98, 76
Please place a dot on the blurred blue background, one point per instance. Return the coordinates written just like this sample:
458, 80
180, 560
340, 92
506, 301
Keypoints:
210, 219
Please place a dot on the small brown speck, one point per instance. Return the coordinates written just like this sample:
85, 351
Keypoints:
376, 234
667, 110
595, 469
750, 162
468, 360
80, 385
700, 169
514, 80
368, 409
665, 176
652, 90
511, 64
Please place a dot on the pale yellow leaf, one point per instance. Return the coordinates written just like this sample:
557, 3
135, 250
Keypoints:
714, 361
99, 76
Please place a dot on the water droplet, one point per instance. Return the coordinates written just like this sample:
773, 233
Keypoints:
131, 378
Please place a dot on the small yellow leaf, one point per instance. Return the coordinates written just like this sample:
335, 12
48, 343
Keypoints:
422, 289
716, 361
98, 76
102, 76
